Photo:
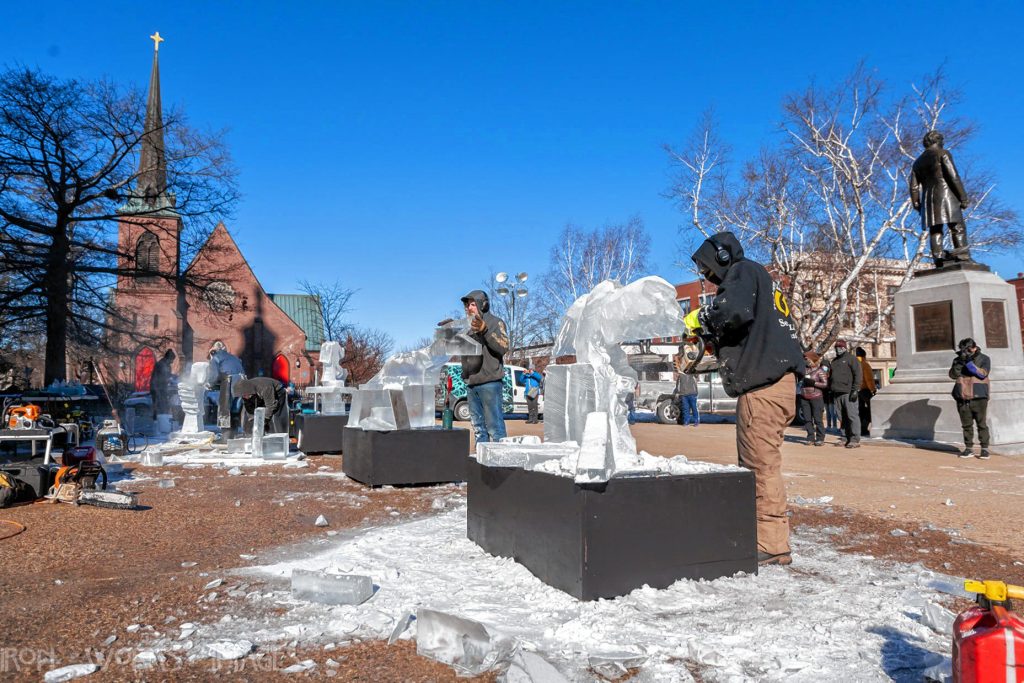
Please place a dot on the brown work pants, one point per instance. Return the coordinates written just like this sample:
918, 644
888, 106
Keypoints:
762, 416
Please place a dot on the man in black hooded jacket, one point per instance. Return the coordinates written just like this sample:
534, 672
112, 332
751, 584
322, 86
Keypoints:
263, 392
759, 359
484, 375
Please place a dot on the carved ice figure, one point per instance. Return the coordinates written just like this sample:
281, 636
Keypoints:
585, 401
332, 389
401, 395
259, 417
452, 338
331, 355
192, 394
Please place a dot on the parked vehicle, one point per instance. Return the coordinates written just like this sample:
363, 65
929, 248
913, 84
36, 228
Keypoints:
513, 399
660, 396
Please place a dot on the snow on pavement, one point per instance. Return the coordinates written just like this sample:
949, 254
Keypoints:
832, 616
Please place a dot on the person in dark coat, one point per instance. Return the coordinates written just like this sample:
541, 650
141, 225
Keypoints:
160, 384
485, 374
937, 193
759, 361
225, 369
970, 369
844, 380
263, 392
812, 398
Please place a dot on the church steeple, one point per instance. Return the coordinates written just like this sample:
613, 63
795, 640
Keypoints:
151, 187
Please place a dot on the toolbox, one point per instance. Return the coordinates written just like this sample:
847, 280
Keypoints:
33, 472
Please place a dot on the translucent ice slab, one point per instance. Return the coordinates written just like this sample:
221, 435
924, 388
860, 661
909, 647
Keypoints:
331, 589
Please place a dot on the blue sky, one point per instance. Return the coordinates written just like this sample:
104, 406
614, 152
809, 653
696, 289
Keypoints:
407, 148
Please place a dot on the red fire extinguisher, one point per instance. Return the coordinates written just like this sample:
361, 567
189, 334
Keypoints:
988, 639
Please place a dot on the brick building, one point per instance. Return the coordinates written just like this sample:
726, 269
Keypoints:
158, 306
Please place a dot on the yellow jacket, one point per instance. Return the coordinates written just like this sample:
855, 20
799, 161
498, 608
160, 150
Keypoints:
868, 377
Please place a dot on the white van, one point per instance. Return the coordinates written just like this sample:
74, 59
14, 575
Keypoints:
514, 400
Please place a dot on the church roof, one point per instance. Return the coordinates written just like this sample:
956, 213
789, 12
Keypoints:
304, 309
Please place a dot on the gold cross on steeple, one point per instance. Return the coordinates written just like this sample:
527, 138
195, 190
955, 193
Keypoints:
156, 41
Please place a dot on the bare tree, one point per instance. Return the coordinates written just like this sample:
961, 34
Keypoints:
69, 168
826, 205
333, 302
580, 259
366, 349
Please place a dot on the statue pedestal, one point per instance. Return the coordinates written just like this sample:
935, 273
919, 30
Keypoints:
933, 312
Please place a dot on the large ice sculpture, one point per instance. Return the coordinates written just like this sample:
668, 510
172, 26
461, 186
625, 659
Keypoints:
192, 394
401, 395
332, 389
585, 402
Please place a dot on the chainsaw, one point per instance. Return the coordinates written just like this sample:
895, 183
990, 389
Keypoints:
77, 478
22, 417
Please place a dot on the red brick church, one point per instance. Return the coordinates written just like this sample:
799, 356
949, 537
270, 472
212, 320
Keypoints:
273, 335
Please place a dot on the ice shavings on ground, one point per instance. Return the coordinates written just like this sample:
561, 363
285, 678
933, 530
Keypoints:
833, 616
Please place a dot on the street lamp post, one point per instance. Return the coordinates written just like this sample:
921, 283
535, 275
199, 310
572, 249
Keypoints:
513, 289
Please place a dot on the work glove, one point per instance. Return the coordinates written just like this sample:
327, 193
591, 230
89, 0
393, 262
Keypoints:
974, 370
692, 322
853, 395
478, 325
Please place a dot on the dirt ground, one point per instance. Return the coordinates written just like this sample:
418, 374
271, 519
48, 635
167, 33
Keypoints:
87, 584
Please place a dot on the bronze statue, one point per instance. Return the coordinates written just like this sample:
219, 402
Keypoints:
937, 193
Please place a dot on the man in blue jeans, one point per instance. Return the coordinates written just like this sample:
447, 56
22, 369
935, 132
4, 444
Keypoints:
686, 390
484, 374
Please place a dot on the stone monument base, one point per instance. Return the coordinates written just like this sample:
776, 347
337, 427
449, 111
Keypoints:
320, 433
405, 456
604, 540
934, 311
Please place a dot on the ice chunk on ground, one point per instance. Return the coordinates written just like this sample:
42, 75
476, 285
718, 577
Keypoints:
938, 618
144, 659
304, 665
234, 472
463, 643
898, 532
530, 667
275, 446
152, 459
229, 649
69, 673
400, 627
331, 589
821, 500
613, 665
320, 521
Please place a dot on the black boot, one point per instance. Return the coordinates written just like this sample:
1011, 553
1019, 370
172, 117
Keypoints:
958, 233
